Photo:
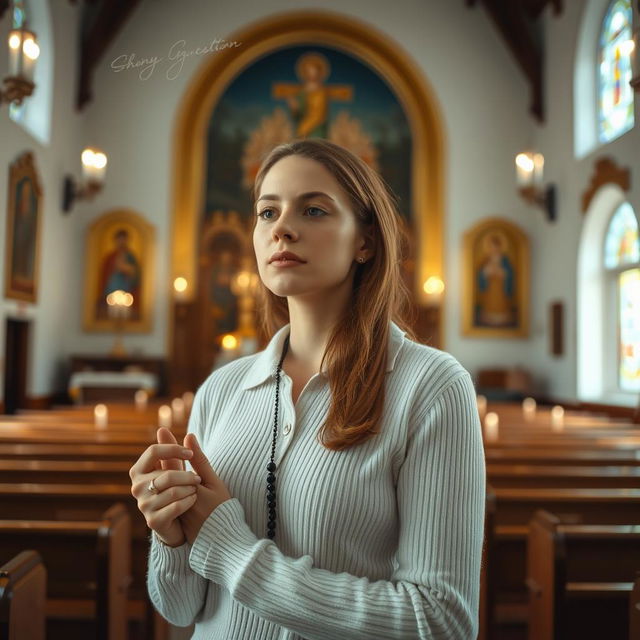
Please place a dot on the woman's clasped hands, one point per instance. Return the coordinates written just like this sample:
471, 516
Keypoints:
182, 500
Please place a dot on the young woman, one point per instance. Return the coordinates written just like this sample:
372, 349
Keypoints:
341, 470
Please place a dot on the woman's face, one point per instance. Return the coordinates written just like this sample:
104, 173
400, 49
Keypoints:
320, 229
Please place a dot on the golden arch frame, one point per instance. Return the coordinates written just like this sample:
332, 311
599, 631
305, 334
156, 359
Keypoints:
323, 28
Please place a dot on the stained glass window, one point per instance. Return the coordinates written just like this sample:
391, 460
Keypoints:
615, 93
629, 330
622, 245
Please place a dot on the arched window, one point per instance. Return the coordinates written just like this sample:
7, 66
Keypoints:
622, 267
615, 95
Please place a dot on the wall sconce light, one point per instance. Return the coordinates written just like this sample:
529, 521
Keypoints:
180, 286
635, 52
23, 53
529, 170
94, 166
433, 288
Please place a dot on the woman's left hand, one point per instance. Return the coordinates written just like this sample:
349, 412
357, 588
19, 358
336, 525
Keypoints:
210, 493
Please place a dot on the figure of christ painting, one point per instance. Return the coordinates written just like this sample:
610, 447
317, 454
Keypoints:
298, 92
309, 102
119, 270
23, 230
25, 222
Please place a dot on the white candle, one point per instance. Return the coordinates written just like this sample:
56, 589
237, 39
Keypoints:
529, 408
524, 169
482, 405
15, 52
177, 406
187, 396
491, 426
164, 416
141, 398
101, 416
557, 418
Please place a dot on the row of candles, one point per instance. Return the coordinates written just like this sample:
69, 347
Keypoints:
491, 420
167, 414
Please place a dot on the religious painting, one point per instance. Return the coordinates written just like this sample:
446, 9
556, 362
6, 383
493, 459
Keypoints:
296, 92
496, 280
118, 274
22, 248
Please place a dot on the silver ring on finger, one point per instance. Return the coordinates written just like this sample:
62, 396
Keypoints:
152, 487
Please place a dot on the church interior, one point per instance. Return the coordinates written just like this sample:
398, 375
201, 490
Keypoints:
508, 130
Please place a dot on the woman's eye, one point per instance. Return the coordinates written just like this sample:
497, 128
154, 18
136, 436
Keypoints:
322, 212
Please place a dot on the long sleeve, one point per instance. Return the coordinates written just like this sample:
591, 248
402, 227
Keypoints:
176, 591
434, 590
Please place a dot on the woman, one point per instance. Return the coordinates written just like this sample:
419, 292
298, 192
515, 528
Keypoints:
360, 513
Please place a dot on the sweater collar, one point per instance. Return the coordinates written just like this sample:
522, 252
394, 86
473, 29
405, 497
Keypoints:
266, 363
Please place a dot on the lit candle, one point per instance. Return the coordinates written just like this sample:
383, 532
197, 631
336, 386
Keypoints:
94, 164
164, 416
491, 426
101, 416
30, 51
15, 52
141, 398
177, 406
434, 289
524, 169
529, 408
482, 405
187, 396
557, 418
180, 286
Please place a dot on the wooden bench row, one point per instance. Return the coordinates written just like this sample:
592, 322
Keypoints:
71, 578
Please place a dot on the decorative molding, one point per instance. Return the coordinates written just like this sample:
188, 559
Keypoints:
606, 171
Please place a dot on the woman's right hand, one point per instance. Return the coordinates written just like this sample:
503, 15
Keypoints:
176, 489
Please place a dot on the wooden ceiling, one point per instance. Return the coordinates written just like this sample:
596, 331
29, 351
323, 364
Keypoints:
517, 21
519, 25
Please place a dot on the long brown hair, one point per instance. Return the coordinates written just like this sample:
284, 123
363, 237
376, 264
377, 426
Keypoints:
357, 348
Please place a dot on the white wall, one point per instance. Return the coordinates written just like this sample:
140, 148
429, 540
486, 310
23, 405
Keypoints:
555, 276
482, 95
57, 299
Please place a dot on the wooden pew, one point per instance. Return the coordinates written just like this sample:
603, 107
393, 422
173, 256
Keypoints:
71, 451
634, 609
65, 471
23, 587
580, 578
550, 476
574, 456
32, 501
506, 560
89, 571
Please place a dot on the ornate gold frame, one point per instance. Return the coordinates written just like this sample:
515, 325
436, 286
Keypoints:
302, 27
521, 242
23, 167
127, 218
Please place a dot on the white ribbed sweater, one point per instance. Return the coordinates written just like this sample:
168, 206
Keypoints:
379, 541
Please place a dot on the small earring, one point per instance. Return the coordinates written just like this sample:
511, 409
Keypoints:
360, 259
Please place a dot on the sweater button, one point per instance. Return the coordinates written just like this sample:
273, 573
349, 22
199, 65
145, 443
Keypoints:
287, 429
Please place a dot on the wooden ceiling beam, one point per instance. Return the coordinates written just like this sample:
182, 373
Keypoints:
110, 17
514, 20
